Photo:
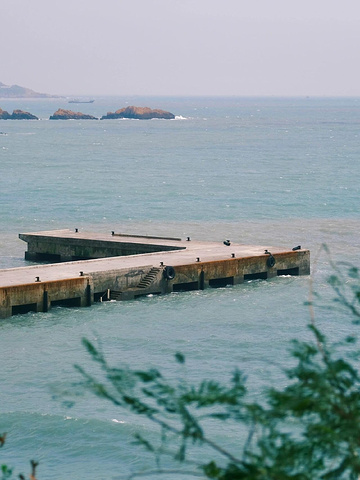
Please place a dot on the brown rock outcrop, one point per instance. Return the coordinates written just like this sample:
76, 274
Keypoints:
4, 115
61, 114
140, 113
21, 115
17, 115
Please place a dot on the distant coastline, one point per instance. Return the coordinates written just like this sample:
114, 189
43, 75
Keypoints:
16, 91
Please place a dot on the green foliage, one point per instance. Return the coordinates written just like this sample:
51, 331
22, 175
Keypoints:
308, 430
7, 472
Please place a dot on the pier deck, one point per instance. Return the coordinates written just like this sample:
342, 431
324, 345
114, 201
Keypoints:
132, 266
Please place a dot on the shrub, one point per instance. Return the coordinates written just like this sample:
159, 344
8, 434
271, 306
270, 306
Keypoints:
308, 430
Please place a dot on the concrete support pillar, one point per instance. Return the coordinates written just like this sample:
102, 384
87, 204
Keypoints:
238, 279
304, 269
127, 295
203, 281
46, 302
5, 305
89, 295
272, 272
5, 311
83, 301
167, 286
304, 264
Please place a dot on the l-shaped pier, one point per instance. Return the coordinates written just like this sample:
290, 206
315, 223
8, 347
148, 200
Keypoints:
95, 267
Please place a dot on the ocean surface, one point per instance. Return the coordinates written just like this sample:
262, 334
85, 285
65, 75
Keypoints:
267, 171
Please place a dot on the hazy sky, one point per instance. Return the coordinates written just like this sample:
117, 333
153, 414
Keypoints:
182, 47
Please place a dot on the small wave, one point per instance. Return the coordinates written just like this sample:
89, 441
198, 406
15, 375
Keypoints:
117, 421
180, 117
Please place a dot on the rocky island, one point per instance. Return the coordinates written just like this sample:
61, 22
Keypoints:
139, 113
21, 115
4, 115
61, 114
17, 115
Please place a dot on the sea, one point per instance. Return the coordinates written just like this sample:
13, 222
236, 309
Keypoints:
263, 171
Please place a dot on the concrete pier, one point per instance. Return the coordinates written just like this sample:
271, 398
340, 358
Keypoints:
133, 266
65, 246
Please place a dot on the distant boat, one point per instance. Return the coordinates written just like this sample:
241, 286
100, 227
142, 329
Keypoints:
77, 100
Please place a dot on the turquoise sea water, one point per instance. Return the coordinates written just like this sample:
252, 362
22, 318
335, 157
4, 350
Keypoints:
261, 171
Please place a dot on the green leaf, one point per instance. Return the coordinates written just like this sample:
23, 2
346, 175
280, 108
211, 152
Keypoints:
148, 376
179, 357
350, 339
6, 472
307, 428
211, 470
145, 443
93, 351
181, 453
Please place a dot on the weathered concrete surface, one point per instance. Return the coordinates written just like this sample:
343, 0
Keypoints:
66, 245
195, 265
39, 296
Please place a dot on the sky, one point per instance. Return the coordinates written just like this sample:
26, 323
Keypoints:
182, 47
